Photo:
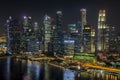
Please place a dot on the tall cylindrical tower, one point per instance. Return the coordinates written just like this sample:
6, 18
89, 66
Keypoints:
83, 23
83, 16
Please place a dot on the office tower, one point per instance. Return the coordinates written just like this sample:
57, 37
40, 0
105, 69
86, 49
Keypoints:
93, 40
83, 23
37, 31
113, 39
47, 32
32, 40
73, 30
87, 38
69, 45
13, 36
26, 33
102, 32
58, 34
83, 16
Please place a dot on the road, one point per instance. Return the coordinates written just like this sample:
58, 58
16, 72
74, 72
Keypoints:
102, 68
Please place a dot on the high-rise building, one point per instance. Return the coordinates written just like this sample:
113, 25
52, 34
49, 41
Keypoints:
13, 36
30, 41
102, 32
26, 33
87, 38
73, 30
58, 34
113, 41
47, 32
93, 41
83, 23
83, 16
69, 45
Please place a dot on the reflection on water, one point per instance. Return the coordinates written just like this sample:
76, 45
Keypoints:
33, 70
47, 76
69, 75
103, 75
7, 74
16, 69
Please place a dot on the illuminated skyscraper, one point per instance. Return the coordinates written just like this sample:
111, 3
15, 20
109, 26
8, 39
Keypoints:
102, 32
83, 16
87, 38
37, 31
74, 34
93, 40
13, 36
83, 23
47, 32
113, 41
58, 34
26, 33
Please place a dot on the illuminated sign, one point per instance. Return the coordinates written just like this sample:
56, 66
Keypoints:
69, 41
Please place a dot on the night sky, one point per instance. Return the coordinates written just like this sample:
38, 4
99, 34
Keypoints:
70, 8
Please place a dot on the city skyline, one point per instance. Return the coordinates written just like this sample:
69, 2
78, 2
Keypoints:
71, 10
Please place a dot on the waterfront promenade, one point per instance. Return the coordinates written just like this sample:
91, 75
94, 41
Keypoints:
78, 62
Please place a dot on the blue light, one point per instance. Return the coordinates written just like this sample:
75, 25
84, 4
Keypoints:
69, 41
37, 42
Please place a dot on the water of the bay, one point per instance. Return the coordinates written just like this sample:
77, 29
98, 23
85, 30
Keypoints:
18, 69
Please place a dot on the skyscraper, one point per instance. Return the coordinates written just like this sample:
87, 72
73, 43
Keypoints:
87, 38
58, 34
26, 33
74, 34
113, 41
102, 32
93, 40
47, 32
29, 39
13, 36
83, 23
83, 16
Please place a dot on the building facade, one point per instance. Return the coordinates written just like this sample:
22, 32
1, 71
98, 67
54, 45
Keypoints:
13, 36
47, 32
102, 32
83, 23
112, 39
87, 38
58, 46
